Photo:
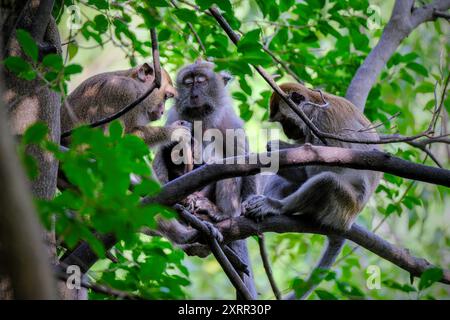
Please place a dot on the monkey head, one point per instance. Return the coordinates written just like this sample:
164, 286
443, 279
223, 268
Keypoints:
200, 89
154, 105
280, 112
337, 114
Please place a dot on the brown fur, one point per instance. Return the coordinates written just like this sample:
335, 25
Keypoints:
105, 94
337, 118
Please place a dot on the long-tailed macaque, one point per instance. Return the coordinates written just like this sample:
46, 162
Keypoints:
332, 196
203, 100
105, 94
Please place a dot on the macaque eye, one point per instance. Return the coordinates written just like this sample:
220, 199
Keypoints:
201, 79
297, 98
188, 81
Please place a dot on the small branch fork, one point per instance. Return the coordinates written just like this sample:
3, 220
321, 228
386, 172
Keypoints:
155, 85
404, 19
242, 227
322, 136
176, 190
217, 251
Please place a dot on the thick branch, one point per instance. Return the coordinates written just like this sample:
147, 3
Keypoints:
374, 160
242, 228
403, 21
41, 18
218, 253
21, 240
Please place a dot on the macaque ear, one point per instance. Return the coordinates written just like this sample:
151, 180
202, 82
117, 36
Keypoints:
226, 77
145, 72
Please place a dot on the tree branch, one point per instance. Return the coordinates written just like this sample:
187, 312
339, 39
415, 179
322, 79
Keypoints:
27, 262
322, 136
40, 19
375, 160
218, 253
179, 188
404, 19
267, 268
242, 228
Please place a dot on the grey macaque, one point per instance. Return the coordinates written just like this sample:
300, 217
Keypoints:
203, 100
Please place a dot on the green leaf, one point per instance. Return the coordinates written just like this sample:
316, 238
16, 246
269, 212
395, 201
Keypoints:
325, 295
35, 134
417, 68
115, 130
429, 277
101, 23
73, 50
53, 61
397, 286
425, 87
250, 41
186, 15
72, 69
28, 44
20, 67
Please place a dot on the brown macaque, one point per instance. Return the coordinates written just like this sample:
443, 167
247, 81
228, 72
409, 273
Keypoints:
105, 94
203, 100
331, 196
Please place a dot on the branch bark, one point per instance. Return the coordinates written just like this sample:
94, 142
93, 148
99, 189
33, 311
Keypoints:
404, 19
27, 262
178, 189
241, 228
305, 155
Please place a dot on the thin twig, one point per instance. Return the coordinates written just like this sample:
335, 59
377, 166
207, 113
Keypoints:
191, 27
267, 268
314, 129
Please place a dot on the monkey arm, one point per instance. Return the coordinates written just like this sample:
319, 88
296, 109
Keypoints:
153, 136
160, 167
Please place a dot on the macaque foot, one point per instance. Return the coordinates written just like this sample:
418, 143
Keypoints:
203, 207
259, 206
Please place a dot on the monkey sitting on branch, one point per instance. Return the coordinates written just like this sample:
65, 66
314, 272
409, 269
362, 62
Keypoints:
204, 101
331, 196
107, 93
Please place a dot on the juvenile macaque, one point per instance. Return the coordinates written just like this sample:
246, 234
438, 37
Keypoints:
105, 94
330, 195
204, 101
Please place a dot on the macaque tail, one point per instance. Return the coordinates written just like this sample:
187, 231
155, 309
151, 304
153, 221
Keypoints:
240, 248
332, 251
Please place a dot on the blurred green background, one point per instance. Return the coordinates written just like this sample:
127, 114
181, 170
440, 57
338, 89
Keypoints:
411, 215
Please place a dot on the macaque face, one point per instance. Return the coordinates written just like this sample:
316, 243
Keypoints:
199, 89
166, 92
154, 105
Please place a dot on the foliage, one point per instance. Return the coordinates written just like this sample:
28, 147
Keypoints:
323, 43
